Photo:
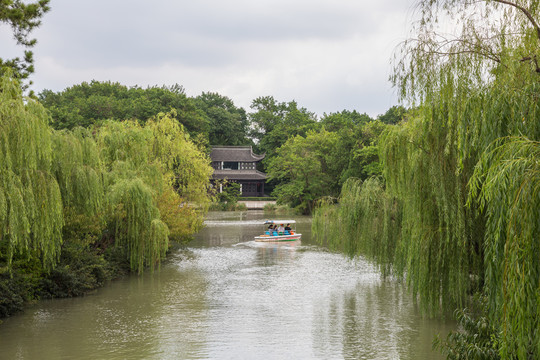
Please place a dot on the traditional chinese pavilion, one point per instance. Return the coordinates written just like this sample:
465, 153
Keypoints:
238, 164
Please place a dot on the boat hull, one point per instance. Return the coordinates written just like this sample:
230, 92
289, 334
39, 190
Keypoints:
278, 238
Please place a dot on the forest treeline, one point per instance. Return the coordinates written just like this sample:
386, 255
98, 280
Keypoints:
307, 156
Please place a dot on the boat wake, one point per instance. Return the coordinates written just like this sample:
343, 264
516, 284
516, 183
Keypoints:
293, 245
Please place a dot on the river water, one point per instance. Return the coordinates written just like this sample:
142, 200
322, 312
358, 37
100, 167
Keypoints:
228, 297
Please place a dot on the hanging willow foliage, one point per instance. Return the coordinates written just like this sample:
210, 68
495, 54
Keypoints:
366, 221
138, 230
78, 170
119, 173
439, 250
476, 87
30, 201
507, 183
185, 167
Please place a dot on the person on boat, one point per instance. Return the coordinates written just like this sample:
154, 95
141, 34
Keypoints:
288, 227
280, 229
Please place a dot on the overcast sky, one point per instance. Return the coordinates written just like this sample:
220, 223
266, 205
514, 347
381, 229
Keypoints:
328, 55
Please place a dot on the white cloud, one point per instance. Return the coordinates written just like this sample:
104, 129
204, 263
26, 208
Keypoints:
328, 55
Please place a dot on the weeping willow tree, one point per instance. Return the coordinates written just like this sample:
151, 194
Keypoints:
152, 172
131, 181
139, 181
416, 222
30, 199
439, 248
124, 176
479, 88
78, 169
186, 170
464, 167
185, 167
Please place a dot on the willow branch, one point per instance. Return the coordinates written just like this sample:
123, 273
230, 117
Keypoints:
524, 11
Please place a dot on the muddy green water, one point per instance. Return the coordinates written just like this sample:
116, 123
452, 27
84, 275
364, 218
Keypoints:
228, 297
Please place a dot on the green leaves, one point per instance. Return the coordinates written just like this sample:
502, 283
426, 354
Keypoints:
89, 103
273, 123
227, 124
506, 183
138, 230
112, 175
466, 169
307, 168
31, 216
144, 164
465, 174
366, 221
476, 337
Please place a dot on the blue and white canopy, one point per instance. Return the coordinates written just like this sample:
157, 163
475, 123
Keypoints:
278, 222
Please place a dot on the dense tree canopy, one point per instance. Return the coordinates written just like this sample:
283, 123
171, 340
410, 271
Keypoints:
307, 168
272, 123
344, 119
393, 115
153, 171
227, 124
31, 216
88, 103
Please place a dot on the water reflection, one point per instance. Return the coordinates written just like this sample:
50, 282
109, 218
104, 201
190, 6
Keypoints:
374, 321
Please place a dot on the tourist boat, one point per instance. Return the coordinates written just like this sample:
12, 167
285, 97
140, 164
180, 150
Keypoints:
274, 236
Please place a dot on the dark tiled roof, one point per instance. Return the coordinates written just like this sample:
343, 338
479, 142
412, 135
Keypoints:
239, 174
234, 153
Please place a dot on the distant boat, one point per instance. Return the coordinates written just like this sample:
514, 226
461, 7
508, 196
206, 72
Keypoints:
275, 236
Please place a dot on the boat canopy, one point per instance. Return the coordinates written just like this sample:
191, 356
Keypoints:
284, 222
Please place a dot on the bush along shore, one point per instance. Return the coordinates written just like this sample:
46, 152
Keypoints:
79, 271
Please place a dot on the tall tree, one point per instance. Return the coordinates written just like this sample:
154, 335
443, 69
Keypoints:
344, 119
152, 173
358, 134
307, 168
274, 122
393, 115
227, 124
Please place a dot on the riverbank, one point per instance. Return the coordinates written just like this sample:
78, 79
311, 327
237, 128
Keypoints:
256, 204
79, 271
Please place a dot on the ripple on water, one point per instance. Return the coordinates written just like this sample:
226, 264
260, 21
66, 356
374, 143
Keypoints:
233, 299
